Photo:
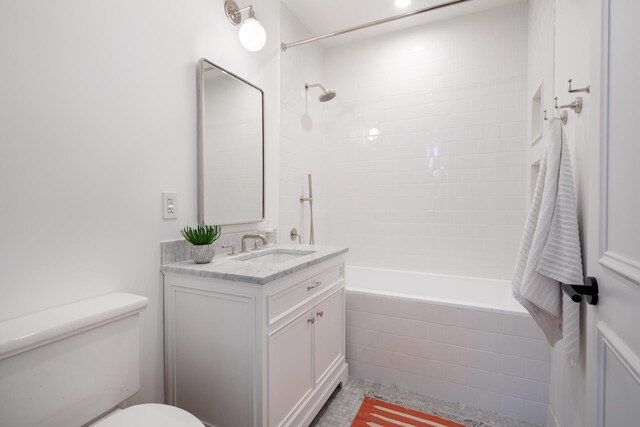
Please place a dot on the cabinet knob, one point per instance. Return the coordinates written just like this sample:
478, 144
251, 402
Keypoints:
320, 313
311, 320
315, 285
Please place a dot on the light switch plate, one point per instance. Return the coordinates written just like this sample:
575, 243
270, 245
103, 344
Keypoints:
170, 205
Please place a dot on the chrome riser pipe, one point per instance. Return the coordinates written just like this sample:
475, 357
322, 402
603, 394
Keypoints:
312, 239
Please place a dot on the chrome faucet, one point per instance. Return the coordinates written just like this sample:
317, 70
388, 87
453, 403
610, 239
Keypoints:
243, 244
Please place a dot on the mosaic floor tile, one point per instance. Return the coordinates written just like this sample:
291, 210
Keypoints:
343, 405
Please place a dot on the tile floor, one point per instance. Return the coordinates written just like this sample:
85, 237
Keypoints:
343, 405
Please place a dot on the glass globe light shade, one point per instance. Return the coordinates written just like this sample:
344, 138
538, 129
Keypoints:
252, 35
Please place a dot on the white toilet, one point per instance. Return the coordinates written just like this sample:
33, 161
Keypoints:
74, 365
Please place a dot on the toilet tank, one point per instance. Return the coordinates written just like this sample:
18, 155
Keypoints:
67, 365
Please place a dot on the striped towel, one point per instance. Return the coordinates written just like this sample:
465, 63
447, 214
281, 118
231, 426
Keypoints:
550, 248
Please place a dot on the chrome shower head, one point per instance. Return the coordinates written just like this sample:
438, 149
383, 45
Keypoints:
326, 95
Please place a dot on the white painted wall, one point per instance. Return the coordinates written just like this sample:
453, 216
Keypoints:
97, 118
572, 59
559, 45
442, 187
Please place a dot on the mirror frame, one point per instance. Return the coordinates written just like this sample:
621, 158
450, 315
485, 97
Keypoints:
200, 111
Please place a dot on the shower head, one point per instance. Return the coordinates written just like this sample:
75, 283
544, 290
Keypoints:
326, 95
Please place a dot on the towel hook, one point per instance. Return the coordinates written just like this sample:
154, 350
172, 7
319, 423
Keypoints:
586, 89
590, 291
564, 115
576, 105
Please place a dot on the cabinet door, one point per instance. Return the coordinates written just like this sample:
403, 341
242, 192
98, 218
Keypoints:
290, 355
329, 333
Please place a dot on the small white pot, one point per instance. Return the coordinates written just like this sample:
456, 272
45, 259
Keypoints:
202, 254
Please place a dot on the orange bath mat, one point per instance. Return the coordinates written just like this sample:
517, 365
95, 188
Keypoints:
376, 413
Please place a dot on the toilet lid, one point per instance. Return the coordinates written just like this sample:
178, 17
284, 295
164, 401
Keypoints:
151, 415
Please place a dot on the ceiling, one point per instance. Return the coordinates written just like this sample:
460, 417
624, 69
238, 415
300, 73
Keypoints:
325, 16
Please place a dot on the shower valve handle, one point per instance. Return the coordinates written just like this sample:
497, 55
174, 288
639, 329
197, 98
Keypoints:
295, 235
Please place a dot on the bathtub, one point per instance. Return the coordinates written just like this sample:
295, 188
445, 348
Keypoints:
459, 339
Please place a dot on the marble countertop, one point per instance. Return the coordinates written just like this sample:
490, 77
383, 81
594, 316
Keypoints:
232, 268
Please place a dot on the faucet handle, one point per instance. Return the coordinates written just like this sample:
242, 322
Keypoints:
295, 235
243, 244
233, 249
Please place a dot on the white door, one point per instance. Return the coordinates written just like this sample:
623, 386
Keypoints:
290, 354
596, 44
613, 343
328, 334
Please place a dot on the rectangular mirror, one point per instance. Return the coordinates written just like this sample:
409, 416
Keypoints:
230, 147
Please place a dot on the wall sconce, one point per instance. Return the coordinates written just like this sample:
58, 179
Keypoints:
252, 35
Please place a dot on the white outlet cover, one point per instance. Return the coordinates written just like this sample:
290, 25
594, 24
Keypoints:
169, 205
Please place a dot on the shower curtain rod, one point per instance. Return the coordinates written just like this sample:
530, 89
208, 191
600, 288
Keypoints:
286, 46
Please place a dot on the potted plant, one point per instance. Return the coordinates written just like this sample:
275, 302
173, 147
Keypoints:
202, 238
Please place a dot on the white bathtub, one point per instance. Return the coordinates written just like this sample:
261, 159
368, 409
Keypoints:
454, 338
481, 294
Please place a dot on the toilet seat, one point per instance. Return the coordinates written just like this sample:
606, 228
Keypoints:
151, 415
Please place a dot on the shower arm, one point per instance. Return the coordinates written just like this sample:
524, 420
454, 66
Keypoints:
285, 46
307, 86
309, 199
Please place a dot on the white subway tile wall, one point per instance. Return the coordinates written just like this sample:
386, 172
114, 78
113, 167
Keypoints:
303, 149
419, 164
489, 360
426, 145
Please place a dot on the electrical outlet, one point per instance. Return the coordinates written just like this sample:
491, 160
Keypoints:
169, 205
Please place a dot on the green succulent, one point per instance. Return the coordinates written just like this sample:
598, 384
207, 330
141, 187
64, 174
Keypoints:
203, 235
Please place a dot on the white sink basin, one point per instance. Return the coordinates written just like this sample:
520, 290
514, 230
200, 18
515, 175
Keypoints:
276, 256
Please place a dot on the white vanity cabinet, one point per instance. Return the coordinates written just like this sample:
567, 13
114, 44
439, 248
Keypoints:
240, 354
302, 352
